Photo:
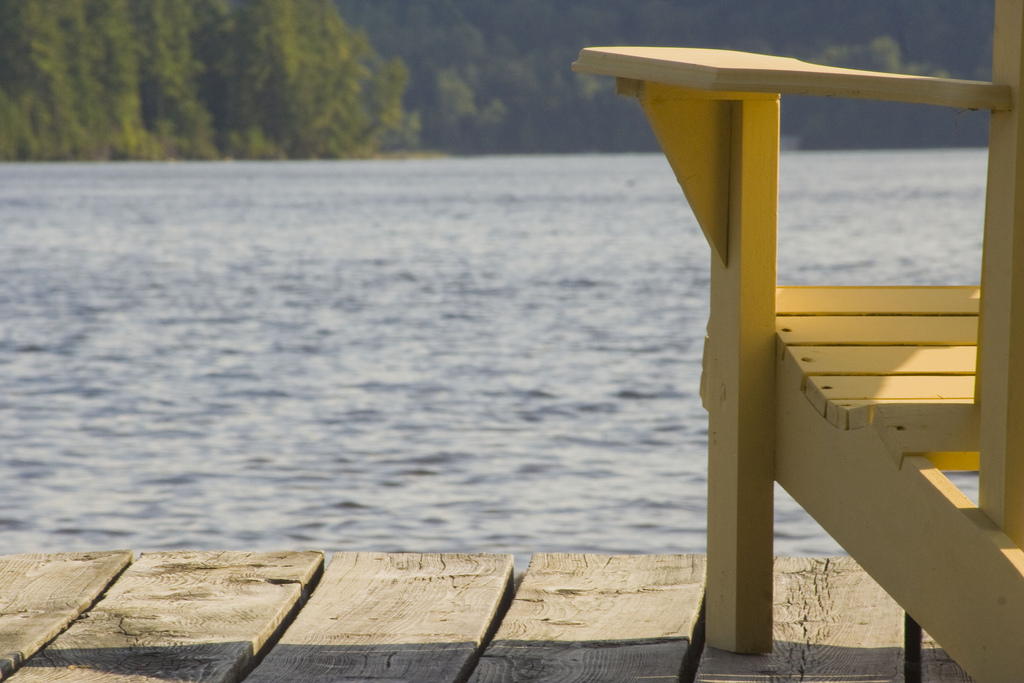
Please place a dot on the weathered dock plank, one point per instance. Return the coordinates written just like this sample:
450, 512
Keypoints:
40, 594
393, 617
598, 618
195, 616
425, 618
936, 665
832, 623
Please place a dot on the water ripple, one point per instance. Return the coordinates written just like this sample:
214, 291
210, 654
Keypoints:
465, 355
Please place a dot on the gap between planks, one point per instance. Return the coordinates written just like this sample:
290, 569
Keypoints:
424, 618
196, 616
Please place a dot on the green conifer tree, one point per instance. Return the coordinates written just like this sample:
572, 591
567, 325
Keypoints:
169, 78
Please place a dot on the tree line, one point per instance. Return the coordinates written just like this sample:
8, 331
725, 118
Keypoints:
151, 79
493, 75
88, 79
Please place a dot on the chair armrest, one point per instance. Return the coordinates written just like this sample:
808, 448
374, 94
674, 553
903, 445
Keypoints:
742, 72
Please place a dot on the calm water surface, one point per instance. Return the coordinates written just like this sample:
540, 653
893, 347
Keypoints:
469, 355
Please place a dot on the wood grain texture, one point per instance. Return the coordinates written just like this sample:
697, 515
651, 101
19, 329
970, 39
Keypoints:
393, 617
832, 623
41, 594
598, 618
189, 616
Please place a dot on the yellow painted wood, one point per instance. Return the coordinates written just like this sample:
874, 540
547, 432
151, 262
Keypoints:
945, 432
705, 365
861, 412
923, 541
847, 400
878, 300
937, 666
1001, 363
629, 87
914, 330
740, 391
953, 461
822, 389
886, 360
725, 70
903, 394
695, 135
849, 414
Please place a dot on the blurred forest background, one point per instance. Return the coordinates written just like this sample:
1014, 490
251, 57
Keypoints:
204, 79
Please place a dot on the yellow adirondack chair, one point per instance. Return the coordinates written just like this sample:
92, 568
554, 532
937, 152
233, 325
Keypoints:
853, 399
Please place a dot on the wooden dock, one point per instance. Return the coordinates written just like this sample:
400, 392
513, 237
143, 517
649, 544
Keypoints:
433, 618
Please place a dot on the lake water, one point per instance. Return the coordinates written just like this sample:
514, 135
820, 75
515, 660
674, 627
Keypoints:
469, 355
